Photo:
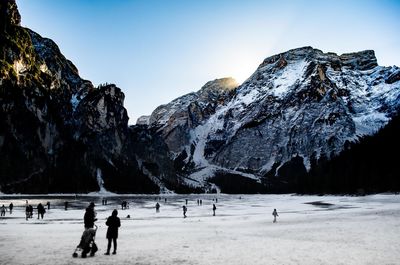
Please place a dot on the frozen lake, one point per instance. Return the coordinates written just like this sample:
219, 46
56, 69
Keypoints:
310, 230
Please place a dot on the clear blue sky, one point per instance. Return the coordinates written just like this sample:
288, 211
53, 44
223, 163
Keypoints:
156, 51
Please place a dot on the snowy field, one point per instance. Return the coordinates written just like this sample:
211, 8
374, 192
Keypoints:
310, 230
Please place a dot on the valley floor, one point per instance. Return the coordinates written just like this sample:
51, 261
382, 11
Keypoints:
310, 230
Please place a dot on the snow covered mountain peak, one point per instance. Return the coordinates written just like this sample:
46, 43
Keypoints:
301, 103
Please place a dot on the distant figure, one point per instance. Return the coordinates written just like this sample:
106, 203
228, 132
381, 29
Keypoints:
165, 200
102, 202
186, 201
27, 212
216, 199
3, 211
201, 202
113, 223
275, 214
157, 207
66, 205
105, 201
128, 216
124, 205
214, 208
11, 206
240, 197
198, 202
90, 216
30, 211
184, 208
48, 205
41, 210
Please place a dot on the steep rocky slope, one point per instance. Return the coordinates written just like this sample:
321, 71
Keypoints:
58, 133
298, 108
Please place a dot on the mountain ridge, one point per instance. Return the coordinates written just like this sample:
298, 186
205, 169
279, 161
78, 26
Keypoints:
288, 128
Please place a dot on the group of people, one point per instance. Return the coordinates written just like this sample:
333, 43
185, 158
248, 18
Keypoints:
41, 210
3, 209
113, 222
89, 216
124, 205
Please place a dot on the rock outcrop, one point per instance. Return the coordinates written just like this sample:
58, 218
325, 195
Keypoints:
59, 133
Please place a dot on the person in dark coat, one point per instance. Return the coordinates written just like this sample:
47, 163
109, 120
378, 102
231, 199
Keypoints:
214, 208
275, 214
184, 208
40, 210
90, 216
48, 205
113, 222
27, 211
30, 211
11, 206
3, 210
157, 207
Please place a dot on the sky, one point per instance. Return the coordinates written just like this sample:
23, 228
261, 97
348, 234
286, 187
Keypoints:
156, 51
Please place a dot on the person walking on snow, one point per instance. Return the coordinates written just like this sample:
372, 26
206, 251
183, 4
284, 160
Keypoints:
214, 208
275, 214
11, 206
157, 207
113, 223
90, 216
40, 210
3, 210
184, 208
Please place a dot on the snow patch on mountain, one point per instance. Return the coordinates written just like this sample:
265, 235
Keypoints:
291, 74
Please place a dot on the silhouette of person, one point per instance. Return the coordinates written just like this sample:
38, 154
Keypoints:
113, 222
214, 208
41, 210
27, 211
275, 214
30, 211
3, 210
201, 202
157, 207
184, 208
48, 205
90, 216
186, 201
66, 205
11, 206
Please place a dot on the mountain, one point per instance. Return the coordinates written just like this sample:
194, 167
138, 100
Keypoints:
299, 109
306, 121
59, 133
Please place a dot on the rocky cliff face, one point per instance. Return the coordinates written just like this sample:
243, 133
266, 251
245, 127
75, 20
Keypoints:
176, 119
297, 108
58, 133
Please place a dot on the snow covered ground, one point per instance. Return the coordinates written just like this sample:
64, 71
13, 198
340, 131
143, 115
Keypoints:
310, 230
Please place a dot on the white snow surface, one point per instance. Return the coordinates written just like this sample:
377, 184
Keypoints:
346, 230
290, 75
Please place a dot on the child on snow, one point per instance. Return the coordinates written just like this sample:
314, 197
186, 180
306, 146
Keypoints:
275, 214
